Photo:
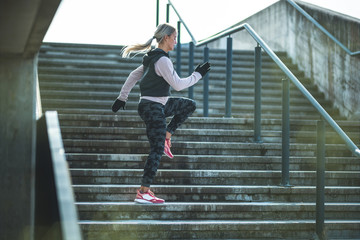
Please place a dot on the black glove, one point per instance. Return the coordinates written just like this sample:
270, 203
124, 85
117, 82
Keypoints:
203, 68
117, 105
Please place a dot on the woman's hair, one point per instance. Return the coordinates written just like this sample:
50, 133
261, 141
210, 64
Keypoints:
160, 32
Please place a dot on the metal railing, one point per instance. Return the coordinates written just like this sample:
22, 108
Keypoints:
353, 148
261, 44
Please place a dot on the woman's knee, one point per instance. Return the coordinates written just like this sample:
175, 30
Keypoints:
193, 105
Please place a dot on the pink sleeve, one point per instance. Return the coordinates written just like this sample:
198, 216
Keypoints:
130, 82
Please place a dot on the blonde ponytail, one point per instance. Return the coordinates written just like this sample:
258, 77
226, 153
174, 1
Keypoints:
161, 31
139, 48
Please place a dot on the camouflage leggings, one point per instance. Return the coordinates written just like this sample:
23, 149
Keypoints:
154, 115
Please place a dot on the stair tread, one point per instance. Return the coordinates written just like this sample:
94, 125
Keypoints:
173, 188
216, 222
185, 204
220, 172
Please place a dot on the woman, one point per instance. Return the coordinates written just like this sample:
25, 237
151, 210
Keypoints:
156, 75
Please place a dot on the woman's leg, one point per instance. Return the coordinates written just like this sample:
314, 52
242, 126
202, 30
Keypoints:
154, 118
181, 109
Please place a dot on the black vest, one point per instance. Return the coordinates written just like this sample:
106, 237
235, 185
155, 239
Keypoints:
152, 84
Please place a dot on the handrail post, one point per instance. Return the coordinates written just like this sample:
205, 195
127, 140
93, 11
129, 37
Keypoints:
167, 12
206, 85
178, 50
257, 112
157, 13
229, 49
285, 132
320, 180
191, 67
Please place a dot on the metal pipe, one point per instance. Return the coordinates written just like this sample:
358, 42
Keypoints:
178, 50
285, 132
229, 50
225, 33
167, 13
257, 112
320, 180
191, 67
157, 13
206, 86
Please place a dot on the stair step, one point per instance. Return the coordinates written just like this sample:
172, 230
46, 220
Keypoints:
199, 148
197, 113
217, 107
216, 229
213, 177
203, 135
217, 210
131, 119
230, 162
217, 193
107, 98
216, 88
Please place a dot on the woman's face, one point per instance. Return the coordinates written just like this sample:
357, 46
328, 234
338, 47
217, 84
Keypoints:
171, 41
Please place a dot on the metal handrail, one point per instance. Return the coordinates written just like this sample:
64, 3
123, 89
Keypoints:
311, 19
350, 144
352, 147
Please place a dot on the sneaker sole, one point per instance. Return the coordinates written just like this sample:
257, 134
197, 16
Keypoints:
142, 201
168, 155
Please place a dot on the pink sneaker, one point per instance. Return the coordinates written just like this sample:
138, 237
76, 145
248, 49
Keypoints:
167, 148
147, 198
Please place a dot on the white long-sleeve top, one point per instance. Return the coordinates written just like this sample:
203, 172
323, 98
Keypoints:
164, 68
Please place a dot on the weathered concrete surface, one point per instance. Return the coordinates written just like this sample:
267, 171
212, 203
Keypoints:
23, 25
17, 147
335, 72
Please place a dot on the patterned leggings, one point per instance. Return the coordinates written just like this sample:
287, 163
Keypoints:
154, 115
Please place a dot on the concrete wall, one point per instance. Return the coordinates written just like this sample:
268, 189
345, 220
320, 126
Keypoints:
23, 24
17, 147
335, 72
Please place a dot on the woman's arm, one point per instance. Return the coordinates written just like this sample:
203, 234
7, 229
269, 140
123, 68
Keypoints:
130, 82
165, 69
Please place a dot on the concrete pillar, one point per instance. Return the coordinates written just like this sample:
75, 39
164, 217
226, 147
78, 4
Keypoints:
17, 146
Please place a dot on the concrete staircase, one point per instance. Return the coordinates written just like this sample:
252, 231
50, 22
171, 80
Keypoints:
220, 185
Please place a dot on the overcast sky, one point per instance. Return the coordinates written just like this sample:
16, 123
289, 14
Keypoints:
119, 22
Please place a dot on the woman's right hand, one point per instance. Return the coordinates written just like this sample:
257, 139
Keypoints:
203, 68
117, 105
